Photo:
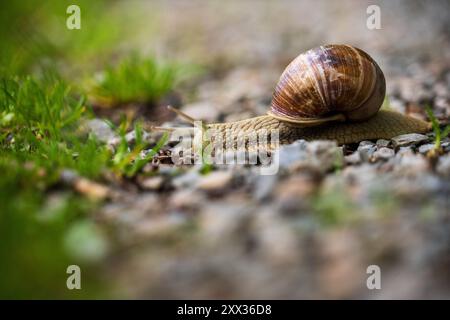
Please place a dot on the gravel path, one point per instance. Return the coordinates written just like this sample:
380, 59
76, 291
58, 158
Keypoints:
311, 230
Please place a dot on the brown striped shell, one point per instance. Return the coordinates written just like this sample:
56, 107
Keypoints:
328, 83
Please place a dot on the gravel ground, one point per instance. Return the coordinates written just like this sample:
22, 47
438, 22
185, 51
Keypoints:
311, 230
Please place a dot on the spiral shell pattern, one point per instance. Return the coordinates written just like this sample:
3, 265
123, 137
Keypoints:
329, 80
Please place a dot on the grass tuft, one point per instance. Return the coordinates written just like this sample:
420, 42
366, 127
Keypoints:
39, 124
129, 161
438, 132
134, 79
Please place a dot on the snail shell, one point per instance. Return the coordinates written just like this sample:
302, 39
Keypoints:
329, 83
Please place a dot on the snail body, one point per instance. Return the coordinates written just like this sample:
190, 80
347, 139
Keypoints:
332, 92
384, 125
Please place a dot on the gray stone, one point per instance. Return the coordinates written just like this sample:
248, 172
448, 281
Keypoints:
215, 181
446, 146
292, 192
410, 163
321, 155
353, 158
366, 151
101, 130
277, 240
440, 89
158, 226
409, 139
425, 148
152, 183
402, 151
188, 179
291, 153
186, 199
365, 143
325, 155
130, 137
384, 153
220, 221
69, 176
164, 169
443, 166
441, 103
383, 143
264, 185
416, 187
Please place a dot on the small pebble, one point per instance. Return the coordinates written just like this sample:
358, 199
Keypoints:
131, 136
409, 139
167, 169
101, 130
366, 151
410, 163
353, 158
264, 186
291, 153
324, 155
158, 226
404, 151
441, 103
186, 199
383, 143
92, 189
215, 181
188, 179
443, 166
365, 143
384, 153
440, 89
425, 148
446, 146
152, 183
290, 193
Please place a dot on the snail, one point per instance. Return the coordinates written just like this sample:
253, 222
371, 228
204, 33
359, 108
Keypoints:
331, 92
